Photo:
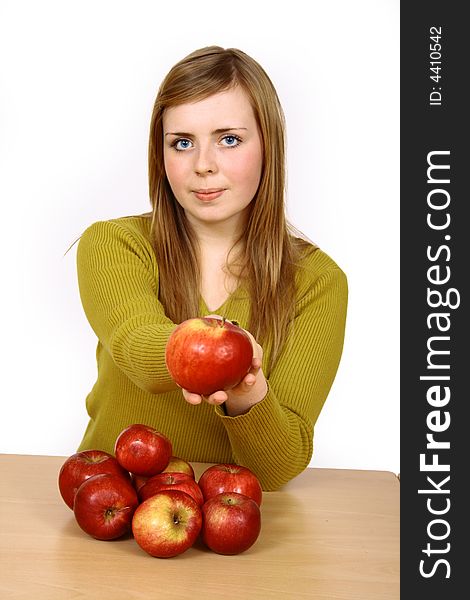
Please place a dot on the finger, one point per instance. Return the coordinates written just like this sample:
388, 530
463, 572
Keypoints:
257, 349
192, 398
217, 397
255, 368
250, 379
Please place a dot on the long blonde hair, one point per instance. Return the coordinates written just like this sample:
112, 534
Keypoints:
271, 250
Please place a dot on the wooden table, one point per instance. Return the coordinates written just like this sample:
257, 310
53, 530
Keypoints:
329, 534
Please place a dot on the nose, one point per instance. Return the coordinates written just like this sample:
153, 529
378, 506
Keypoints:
206, 162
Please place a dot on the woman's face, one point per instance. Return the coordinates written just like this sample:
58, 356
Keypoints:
213, 157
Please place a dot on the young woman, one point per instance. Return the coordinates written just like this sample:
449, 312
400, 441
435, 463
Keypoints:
216, 242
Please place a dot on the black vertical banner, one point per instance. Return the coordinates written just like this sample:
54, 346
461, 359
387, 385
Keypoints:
435, 335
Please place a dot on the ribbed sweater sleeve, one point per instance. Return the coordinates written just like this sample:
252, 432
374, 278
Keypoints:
275, 437
119, 295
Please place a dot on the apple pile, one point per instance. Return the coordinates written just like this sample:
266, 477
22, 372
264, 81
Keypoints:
144, 490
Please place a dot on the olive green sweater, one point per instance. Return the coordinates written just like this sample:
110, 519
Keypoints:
118, 282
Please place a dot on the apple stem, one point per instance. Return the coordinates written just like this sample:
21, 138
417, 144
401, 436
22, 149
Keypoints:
223, 321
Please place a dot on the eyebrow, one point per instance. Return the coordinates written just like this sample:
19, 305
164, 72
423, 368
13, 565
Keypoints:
215, 132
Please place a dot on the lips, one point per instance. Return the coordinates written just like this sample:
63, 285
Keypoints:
208, 194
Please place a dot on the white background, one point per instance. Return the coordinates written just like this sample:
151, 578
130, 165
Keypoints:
78, 81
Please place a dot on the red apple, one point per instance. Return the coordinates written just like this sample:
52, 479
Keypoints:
104, 506
171, 481
142, 450
178, 465
230, 478
81, 466
167, 524
138, 481
231, 523
204, 355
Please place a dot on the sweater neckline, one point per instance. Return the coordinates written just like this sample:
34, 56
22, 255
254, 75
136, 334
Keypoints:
217, 311
220, 310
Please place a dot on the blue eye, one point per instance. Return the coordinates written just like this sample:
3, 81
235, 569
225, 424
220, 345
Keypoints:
181, 144
232, 141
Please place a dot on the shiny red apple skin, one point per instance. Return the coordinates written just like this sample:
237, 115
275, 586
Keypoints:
171, 481
226, 477
176, 465
104, 506
167, 524
142, 450
204, 355
179, 465
80, 466
138, 481
231, 523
